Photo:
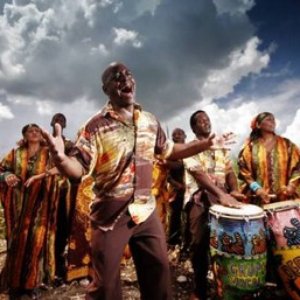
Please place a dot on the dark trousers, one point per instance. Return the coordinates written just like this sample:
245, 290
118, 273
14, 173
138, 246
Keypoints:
61, 236
197, 222
175, 228
148, 245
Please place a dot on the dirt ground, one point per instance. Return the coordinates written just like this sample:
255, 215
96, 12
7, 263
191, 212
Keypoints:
181, 281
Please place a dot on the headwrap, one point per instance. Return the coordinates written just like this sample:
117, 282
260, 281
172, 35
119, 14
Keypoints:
258, 119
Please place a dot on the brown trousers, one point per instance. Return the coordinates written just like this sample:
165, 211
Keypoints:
148, 245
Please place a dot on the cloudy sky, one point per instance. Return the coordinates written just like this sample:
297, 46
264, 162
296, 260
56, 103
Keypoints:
232, 58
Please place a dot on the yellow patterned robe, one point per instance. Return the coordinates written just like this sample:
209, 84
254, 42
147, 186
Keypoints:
273, 170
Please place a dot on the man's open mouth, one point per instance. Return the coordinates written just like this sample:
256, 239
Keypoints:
126, 89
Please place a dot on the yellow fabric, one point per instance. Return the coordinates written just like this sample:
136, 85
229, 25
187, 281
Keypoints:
273, 170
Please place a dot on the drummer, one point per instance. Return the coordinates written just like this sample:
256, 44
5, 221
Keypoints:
269, 164
269, 168
209, 179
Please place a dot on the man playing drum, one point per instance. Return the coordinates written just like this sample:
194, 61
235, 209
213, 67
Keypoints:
202, 190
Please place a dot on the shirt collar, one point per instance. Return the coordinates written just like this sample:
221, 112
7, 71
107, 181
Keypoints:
108, 110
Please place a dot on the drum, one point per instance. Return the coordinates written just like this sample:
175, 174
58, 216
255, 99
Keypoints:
283, 220
238, 250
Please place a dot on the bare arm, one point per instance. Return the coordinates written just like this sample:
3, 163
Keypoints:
68, 166
189, 149
206, 183
232, 183
32, 179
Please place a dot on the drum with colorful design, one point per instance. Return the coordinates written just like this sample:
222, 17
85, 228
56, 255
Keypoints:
238, 250
283, 219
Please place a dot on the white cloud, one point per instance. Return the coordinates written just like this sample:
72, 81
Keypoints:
5, 112
101, 49
40, 112
233, 6
282, 102
144, 6
234, 119
242, 62
293, 130
21, 100
44, 108
52, 54
124, 36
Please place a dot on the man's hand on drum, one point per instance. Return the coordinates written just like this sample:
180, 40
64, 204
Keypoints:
238, 196
263, 195
228, 200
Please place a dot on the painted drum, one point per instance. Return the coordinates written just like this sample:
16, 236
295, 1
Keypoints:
238, 250
283, 221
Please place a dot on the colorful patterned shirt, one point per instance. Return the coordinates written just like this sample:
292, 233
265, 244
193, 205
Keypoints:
119, 156
214, 162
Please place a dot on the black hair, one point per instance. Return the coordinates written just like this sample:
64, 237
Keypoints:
193, 118
24, 129
59, 115
256, 131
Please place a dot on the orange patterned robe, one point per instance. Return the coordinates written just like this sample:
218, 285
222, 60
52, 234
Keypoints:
273, 170
27, 216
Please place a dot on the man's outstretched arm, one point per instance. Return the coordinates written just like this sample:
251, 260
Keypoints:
189, 149
68, 166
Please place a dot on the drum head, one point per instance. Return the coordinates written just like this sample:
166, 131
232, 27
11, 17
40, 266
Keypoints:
248, 211
282, 205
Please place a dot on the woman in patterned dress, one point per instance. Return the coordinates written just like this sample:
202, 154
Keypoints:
25, 198
269, 164
269, 168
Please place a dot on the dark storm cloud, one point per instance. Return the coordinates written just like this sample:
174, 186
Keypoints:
181, 41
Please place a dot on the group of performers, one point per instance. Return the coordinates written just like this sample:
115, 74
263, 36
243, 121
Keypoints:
93, 197
268, 172
39, 205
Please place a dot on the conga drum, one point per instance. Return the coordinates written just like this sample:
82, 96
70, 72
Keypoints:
283, 221
238, 251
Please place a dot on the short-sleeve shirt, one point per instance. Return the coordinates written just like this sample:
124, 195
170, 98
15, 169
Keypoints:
214, 162
119, 156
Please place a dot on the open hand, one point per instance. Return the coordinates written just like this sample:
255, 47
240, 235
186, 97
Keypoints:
12, 180
55, 143
224, 140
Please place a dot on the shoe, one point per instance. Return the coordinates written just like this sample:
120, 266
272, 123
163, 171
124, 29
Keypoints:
84, 282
